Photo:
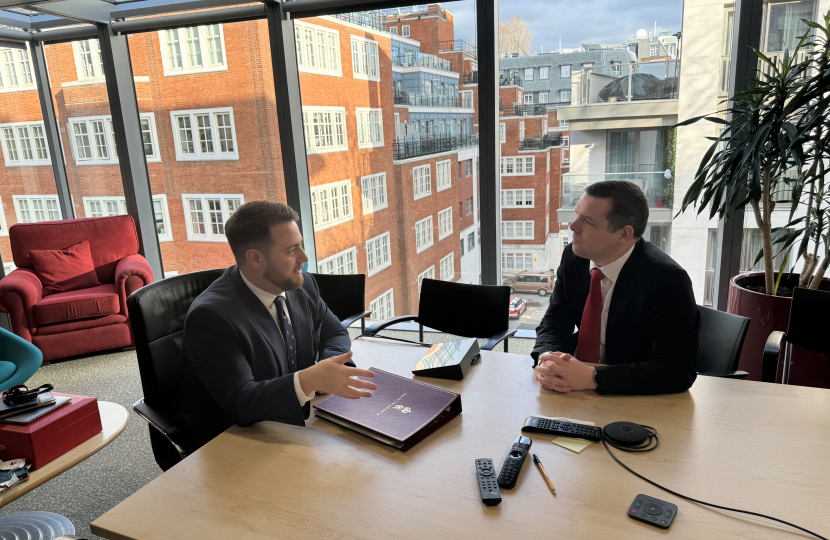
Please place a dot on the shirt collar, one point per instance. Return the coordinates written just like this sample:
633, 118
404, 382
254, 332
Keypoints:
612, 270
264, 296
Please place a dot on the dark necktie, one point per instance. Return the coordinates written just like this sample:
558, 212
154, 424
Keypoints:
591, 327
287, 333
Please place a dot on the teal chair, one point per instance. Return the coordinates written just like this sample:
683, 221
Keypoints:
19, 360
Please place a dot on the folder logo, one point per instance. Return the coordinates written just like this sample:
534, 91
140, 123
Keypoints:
403, 409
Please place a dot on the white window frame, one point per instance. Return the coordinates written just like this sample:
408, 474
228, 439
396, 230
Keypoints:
502, 133
444, 223
653, 50
544, 73
388, 306
562, 94
369, 127
161, 198
428, 273
44, 200
547, 191
766, 21
325, 194
21, 68
511, 164
543, 97
362, 69
4, 229
447, 267
566, 142
564, 123
97, 67
511, 195
509, 228
331, 48
565, 71
393, 30
405, 30
425, 171
424, 235
187, 68
338, 261
616, 67
339, 136
528, 98
514, 256
521, 131
529, 74
369, 199
443, 181
372, 244
15, 131
466, 95
109, 139
198, 155
208, 236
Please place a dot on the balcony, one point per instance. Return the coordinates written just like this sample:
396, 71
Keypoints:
653, 185
518, 109
469, 77
373, 20
424, 146
421, 60
511, 79
457, 45
540, 143
426, 100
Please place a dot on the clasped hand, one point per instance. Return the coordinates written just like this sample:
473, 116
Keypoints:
562, 372
330, 376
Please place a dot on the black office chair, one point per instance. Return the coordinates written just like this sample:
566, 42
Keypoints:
809, 320
157, 312
721, 340
479, 311
345, 295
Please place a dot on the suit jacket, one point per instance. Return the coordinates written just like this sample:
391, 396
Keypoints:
236, 366
651, 337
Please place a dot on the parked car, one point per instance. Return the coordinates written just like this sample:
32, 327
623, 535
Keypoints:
517, 307
531, 281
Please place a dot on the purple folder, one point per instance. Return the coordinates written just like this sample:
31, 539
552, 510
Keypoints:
400, 413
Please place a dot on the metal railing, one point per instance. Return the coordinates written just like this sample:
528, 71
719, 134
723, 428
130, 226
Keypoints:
421, 60
426, 100
776, 58
469, 77
511, 79
653, 185
519, 109
626, 82
368, 19
540, 143
425, 9
457, 45
410, 148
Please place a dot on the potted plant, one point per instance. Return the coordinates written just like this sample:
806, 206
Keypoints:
772, 151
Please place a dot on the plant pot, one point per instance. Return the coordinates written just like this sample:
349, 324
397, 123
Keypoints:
770, 314
659, 203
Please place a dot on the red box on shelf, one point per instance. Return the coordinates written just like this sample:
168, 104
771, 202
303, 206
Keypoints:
53, 434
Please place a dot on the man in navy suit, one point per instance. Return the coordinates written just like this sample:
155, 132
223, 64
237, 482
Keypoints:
259, 342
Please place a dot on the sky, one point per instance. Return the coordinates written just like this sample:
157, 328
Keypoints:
576, 21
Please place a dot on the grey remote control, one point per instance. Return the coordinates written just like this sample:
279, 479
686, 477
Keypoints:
490, 493
513, 462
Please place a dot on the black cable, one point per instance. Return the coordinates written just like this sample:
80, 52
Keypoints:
652, 435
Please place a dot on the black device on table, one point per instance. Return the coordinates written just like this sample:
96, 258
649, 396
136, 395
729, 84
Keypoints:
490, 493
652, 511
513, 462
558, 428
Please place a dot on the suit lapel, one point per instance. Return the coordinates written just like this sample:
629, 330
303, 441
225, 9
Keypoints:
626, 282
262, 319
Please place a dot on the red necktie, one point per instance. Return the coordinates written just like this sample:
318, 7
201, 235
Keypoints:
589, 330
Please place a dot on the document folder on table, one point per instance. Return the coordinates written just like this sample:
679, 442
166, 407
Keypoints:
400, 413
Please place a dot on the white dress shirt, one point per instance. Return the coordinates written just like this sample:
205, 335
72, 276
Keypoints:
268, 300
611, 271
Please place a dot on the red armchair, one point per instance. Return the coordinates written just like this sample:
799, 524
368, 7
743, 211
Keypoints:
80, 321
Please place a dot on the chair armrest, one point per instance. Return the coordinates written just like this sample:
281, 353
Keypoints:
347, 322
131, 273
772, 348
19, 292
374, 329
730, 375
495, 340
159, 422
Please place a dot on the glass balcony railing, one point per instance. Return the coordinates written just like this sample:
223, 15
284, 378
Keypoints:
511, 79
626, 82
469, 77
457, 45
519, 109
368, 19
421, 60
426, 100
653, 185
540, 143
423, 146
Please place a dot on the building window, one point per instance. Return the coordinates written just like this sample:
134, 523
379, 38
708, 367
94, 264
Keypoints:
528, 74
377, 254
393, 30
471, 242
325, 129
34, 209
383, 307
447, 266
543, 97
331, 204
516, 262
444, 223
616, 67
4, 229
784, 26
517, 198
197, 49
24, 144
467, 99
521, 131
344, 262
204, 135
468, 167
517, 166
528, 98
443, 175
17, 70
422, 183
469, 205
206, 215
547, 187
318, 49
566, 142
117, 206
93, 139
405, 30
544, 73
428, 273
88, 62
423, 234
374, 193
564, 123
565, 96
462, 245
365, 59
517, 230
369, 128
502, 137
565, 72
654, 50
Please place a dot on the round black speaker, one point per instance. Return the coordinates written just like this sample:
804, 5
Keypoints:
625, 433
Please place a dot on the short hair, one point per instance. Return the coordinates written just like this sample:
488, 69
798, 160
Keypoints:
250, 226
629, 205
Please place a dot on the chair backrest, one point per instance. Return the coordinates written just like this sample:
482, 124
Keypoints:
462, 309
809, 319
110, 240
157, 313
344, 294
721, 340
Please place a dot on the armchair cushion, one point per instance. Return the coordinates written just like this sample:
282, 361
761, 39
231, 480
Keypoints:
63, 270
74, 305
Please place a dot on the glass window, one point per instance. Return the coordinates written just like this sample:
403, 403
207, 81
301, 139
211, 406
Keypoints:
565, 72
517, 198
785, 26
447, 266
205, 135
207, 214
654, 50
423, 234
544, 73
325, 129
35, 209
469, 206
565, 96
16, 73
428, 273
422, 184
517, 230
377, 254
543, 97
24, 145
318, 49
528, 98
443, 175
374, 193
444, 223
501, 133
528, 74
331, 204
383, 307
517, 166
563, 123
197, 49
471, 241
405, 30
344, 262
365, 64
369, 128
88, 60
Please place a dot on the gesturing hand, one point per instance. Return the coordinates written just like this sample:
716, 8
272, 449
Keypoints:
562, 372
330, 376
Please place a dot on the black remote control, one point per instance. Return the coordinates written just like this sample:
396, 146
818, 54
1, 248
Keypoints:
513, 462
490, 493
534, 424
653, 511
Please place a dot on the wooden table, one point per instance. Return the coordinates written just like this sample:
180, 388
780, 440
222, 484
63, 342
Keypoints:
755, 446
114, 419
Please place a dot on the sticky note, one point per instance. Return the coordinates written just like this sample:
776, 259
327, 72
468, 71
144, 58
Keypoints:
574, 445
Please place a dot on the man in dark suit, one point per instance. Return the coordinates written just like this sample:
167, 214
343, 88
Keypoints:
252, 340
634, 306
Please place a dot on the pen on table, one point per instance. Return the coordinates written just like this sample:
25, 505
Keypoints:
544, 474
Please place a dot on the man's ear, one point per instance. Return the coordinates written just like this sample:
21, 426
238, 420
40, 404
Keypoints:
627, 233
254, 258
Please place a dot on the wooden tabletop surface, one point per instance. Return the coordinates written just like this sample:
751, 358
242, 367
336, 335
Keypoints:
745, 444
114, 419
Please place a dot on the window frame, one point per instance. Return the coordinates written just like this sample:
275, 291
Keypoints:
366, 112
546, 97
447, 165
430, 233
308, 130
564, 123
333, 261
371, 209
161, 197
43, 198
415, 191
447, 231
20, 162
370, 248
546, 71
529, 73
766, 21
109, 137
451, 259
17, 63
562, 93
405, 31
511, 161
328, 187
562, 71
203, 197
524, 192
423, 275
194, 130
523, 227
390, 303
464, 95
97, 61
169, 71
502, 133
357, 69
528, 100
